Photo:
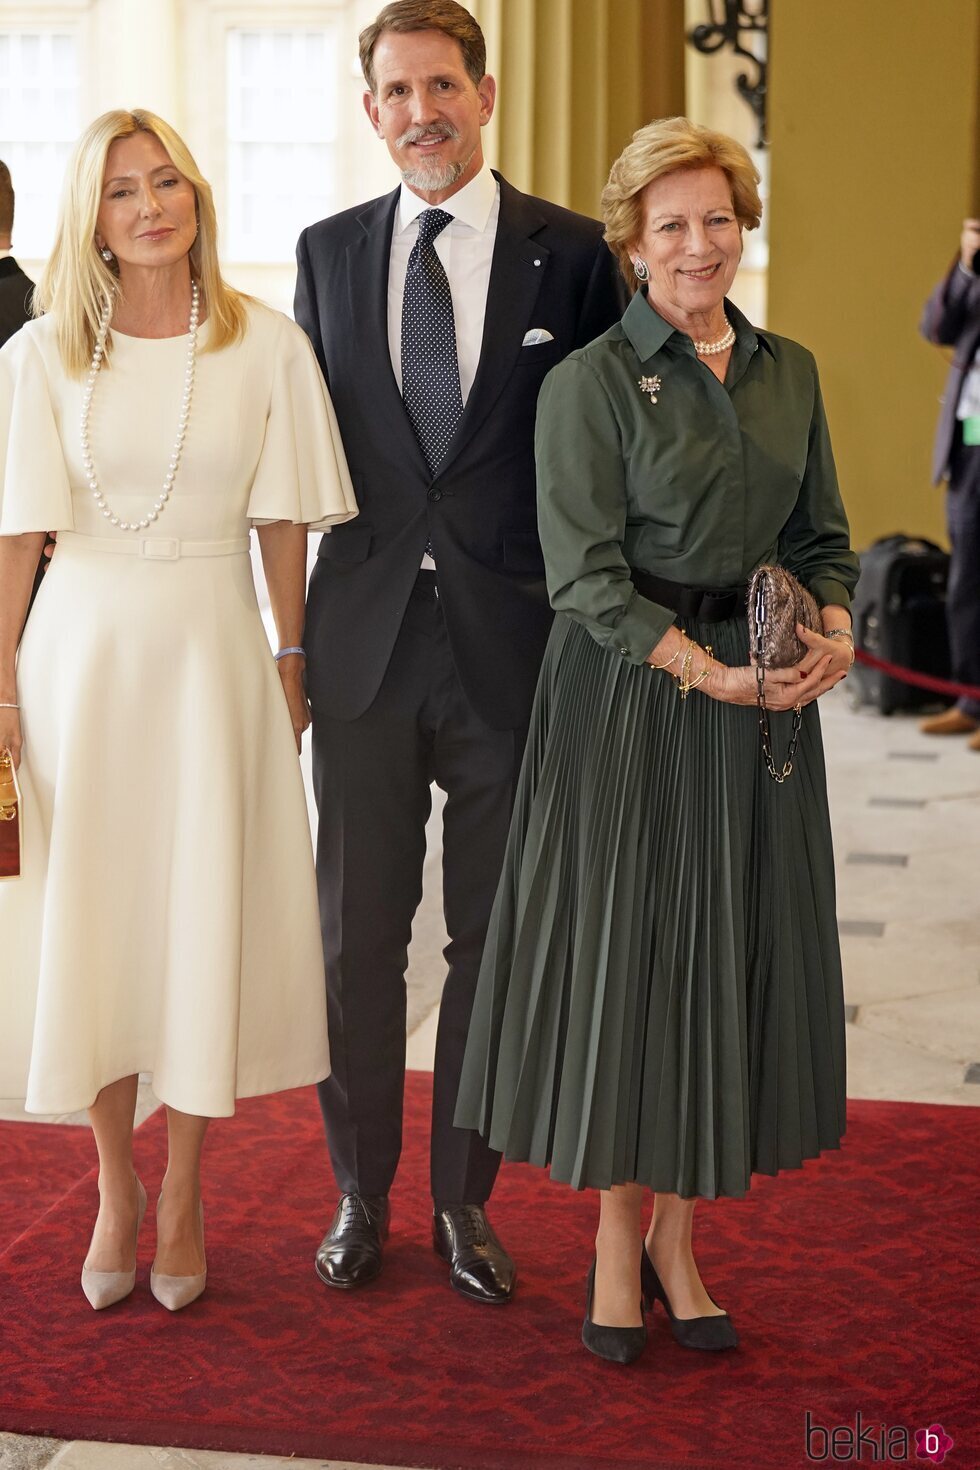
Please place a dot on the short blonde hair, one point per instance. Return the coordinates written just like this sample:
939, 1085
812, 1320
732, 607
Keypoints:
663, 147
76, 280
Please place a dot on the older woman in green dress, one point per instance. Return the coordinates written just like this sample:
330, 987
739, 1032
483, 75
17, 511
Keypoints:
660, 1004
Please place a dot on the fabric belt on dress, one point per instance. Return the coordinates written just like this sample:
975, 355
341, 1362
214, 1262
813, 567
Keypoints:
154, 548
701, 604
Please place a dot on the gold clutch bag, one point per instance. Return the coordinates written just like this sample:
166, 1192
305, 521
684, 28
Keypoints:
777, 602
10, 825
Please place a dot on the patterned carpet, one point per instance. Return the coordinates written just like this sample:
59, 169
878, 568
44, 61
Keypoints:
852, 1283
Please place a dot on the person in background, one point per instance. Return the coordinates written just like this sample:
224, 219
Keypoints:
15, 285
435, 313
952, 319
660, 1004
15, 298
166, 918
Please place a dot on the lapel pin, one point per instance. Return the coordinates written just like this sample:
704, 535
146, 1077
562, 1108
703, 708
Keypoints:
650, 386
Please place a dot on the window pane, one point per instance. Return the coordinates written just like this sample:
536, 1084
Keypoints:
282, 129
39, 100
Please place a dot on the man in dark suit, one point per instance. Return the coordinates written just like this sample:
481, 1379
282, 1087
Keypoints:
952, 319
435, 313
15, 286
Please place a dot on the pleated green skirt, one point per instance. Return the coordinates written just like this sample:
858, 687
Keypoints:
660, 999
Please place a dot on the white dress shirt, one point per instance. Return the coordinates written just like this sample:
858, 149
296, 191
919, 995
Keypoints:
465, 248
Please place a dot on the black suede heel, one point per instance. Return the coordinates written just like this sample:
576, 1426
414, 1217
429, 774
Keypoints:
615, 1344
708, 1334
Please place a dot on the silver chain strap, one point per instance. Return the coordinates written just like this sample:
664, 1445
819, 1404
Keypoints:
779, 776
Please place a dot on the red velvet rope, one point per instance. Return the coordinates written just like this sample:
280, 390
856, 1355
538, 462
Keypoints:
921, 681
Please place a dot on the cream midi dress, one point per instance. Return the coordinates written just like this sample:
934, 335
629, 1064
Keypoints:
166, 921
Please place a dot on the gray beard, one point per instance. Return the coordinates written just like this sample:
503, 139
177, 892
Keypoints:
434, 177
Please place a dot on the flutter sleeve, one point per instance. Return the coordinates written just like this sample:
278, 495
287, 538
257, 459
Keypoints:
302, 474
35, 494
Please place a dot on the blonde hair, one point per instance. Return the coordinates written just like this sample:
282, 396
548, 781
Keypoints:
663, 147
76, 279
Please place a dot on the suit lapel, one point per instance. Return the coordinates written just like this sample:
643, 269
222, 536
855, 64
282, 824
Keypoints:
367, 281
516, 273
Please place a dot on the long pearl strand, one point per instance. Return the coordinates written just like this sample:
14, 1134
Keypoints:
88, 463
721, 344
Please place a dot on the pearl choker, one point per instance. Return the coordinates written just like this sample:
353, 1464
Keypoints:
88, 464
722, 344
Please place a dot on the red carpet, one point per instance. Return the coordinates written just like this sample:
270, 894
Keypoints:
852, 1282
38, 1163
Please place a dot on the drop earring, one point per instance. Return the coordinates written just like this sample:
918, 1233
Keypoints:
641, 270
106, 254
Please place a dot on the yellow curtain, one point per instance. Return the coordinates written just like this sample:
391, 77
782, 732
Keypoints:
576, 78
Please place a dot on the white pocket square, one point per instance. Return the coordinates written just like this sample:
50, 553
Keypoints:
536, 336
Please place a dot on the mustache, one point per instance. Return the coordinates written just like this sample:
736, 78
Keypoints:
434, 130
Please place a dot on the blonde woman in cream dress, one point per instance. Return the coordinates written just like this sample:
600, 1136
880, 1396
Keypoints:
166, 919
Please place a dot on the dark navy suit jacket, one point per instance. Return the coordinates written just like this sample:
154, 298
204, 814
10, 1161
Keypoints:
550, 269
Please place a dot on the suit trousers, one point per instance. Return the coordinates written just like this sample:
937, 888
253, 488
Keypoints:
963, 589
372, 779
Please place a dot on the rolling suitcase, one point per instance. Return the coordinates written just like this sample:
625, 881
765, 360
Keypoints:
899, 613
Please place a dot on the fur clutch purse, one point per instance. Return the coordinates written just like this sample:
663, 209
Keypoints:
777, 603
10, 838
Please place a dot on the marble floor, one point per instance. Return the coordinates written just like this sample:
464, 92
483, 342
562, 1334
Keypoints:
906, 814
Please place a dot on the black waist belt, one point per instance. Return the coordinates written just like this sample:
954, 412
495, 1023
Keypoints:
701, 604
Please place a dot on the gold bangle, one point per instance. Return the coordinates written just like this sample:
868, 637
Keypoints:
685, 683
684, 678
669, 661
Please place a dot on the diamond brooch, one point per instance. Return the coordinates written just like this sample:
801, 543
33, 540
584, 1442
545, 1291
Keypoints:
650, 386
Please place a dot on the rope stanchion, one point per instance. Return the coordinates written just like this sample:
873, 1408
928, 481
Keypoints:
920, 681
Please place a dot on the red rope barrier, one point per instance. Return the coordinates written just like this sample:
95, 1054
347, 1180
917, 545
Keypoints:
921, 681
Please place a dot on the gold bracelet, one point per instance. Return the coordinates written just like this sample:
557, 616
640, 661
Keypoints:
669, 661
848, 637
706, 670
684, 682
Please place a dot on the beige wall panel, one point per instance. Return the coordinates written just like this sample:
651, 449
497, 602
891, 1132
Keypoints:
872, 120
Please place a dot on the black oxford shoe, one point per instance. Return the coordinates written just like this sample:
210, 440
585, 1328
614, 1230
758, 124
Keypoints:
350, 1252
479, 1267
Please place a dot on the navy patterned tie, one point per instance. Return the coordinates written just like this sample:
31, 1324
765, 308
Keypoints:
430, 367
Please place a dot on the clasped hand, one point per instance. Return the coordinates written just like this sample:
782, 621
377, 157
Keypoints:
825, 664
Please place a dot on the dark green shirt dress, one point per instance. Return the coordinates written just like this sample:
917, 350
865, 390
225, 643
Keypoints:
660, 999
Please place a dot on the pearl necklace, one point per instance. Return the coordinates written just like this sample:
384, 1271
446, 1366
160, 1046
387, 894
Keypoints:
88, 464
722, 344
